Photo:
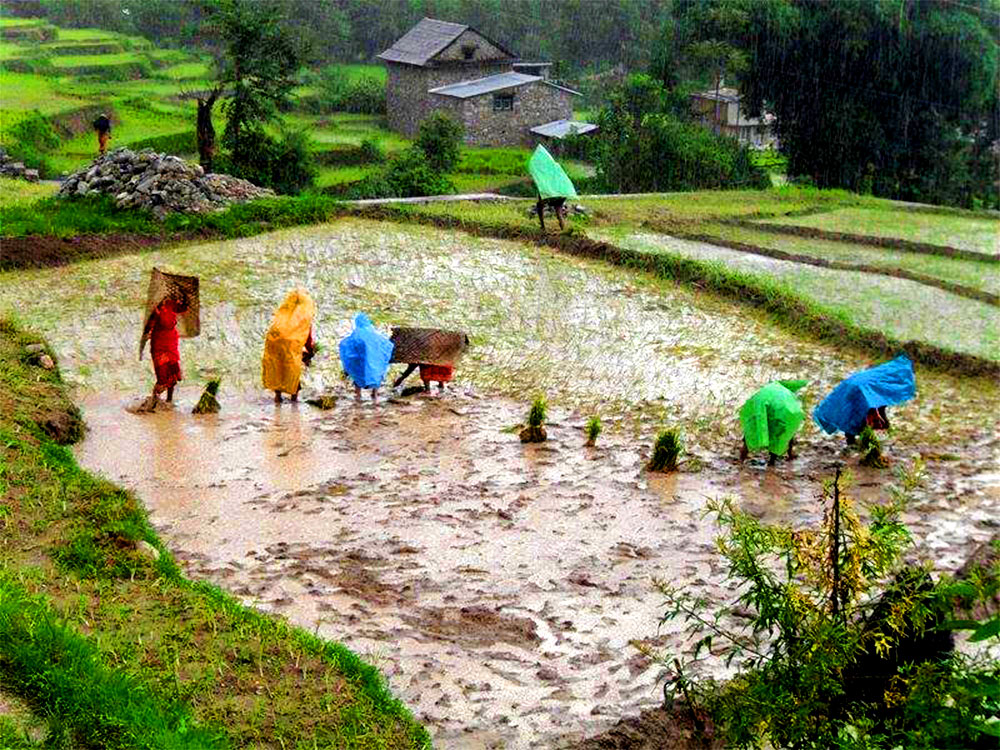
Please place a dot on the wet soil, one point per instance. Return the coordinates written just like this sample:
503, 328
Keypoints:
497, 585
43, 251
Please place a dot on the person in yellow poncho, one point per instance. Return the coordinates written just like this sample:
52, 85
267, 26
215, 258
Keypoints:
289, 345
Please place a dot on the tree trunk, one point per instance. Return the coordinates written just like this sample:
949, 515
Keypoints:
206, 131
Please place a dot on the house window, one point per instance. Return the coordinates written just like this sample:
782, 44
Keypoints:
468, 50
503, 102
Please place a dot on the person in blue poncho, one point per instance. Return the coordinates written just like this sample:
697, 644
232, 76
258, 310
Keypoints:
861, 399
365, 355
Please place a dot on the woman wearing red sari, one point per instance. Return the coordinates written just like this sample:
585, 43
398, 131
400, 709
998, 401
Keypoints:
162, 329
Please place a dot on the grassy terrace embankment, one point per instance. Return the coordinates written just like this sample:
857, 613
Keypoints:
101, 633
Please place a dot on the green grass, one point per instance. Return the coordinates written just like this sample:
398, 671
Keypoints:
935, 228
23, 92
121, 648
21, 193
188, 71
977, 275
903, 309
6, 21
79, 61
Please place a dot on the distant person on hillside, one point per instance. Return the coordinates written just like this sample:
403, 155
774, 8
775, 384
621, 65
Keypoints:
103, 127
289, 345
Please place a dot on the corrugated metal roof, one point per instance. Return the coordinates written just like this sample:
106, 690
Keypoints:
479, 86
429, 37
562, 128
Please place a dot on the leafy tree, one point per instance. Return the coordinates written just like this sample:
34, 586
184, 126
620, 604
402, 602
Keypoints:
440, 138
895, 95
257, 58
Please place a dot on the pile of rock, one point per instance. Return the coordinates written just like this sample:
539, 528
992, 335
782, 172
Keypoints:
11, 168
161, 183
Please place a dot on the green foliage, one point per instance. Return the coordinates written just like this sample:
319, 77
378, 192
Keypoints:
898, 98
440, 138
593, 430
337, 91
870, 448
538, 412
667, 451
174, 143
644, 146
842, 637
371, 150
285, 164
406, 175
31, 141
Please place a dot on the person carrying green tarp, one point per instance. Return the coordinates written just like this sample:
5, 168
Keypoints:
552, 184
770, 419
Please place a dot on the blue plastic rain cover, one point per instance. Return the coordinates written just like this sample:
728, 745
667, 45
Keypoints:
847, 405
365, 354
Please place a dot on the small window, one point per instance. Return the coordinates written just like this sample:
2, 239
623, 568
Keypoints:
503, 102
468, 50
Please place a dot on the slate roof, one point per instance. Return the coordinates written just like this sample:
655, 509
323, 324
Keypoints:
562, 128
479, 86
425, 40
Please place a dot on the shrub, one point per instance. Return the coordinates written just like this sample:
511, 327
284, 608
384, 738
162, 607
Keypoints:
175, 143
841, 637
336, 93
371, 150
365, 96
667, 451
30, 141
440, 138
407, 175
593, 429
283, 164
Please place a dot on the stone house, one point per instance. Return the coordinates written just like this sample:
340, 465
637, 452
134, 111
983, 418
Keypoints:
451, 67
720, 110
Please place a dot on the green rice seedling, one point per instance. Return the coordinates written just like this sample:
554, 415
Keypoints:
535, 431
593, 429
208, 403
871, 449
667, 451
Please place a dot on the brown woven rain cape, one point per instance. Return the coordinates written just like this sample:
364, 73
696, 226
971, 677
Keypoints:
164, 285
429, 346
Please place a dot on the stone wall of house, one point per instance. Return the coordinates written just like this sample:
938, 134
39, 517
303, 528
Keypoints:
407, 101
482, 49
534, 104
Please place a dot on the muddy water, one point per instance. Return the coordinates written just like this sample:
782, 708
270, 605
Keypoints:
498, 586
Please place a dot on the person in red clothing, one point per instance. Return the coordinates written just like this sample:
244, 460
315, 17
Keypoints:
162, 329
440, 374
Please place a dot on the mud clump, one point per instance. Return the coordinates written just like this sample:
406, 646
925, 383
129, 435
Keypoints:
475, 626
533, 434
324, 402
64, 427
655, 729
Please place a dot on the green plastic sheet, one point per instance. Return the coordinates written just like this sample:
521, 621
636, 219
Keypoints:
550, 179
771, 417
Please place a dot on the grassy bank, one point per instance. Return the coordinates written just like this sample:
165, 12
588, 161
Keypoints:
100, 631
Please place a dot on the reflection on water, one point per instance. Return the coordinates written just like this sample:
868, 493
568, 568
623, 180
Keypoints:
497, 585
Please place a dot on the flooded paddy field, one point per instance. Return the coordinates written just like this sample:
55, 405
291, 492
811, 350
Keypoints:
497, 585
903, 309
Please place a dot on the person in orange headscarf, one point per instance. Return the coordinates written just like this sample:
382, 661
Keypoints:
289, 345
162, 330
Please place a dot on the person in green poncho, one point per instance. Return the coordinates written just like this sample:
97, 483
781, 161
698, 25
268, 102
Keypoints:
552, 185
770, 418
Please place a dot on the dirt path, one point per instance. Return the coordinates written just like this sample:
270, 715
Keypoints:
498, 586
